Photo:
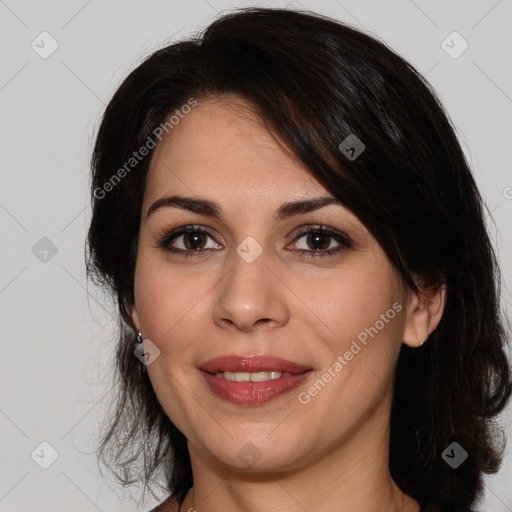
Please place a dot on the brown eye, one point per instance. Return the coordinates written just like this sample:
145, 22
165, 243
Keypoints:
194, 241
188, 240
318, 241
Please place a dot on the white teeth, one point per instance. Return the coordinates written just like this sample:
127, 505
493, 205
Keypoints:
261, 376
251, 376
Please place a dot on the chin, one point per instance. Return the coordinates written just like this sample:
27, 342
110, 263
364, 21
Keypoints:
253, 453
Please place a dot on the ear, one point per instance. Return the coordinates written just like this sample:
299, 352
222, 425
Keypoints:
424, 312
135, 317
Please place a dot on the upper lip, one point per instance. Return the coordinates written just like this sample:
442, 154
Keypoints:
259, 363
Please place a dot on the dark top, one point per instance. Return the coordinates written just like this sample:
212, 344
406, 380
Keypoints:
171, 505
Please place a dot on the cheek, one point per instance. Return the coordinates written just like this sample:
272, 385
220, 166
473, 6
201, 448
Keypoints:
168, 300
355, 304
360, 327
168, 304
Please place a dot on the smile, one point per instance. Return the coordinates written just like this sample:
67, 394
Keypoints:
251, 377
252, 380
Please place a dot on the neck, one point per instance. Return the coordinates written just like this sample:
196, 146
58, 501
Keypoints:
352, 476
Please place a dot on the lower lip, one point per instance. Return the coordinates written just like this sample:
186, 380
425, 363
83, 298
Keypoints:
253, 393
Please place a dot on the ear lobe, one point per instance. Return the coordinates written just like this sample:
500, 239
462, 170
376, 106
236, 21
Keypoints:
135, 317
424, 313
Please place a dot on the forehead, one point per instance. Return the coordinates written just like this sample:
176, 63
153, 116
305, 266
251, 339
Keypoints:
222, 145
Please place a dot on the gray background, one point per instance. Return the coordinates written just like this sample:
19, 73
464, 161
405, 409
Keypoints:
56, 340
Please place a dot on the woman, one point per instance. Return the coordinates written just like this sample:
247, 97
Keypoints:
299, 254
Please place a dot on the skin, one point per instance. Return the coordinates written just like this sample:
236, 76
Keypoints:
331, 453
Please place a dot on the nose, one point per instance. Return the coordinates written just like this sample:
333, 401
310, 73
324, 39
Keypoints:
250, 297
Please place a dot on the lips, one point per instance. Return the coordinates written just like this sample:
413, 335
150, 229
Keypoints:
252, 364
283, 376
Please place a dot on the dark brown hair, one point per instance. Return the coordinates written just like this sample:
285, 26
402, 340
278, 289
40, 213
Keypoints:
316, 81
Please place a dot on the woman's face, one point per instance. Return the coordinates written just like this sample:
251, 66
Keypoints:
256, 282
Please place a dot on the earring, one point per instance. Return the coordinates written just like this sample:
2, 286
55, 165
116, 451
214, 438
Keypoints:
139, 352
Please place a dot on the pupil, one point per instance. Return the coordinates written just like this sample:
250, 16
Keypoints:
193, 239
317, 239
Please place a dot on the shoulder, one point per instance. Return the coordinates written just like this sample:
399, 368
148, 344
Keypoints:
169, 505
432, 508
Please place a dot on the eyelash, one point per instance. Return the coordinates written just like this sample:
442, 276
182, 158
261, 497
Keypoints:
165, 238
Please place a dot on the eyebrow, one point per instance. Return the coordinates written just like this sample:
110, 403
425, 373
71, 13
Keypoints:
213, 209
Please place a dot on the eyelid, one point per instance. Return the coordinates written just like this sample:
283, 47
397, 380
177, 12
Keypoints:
165, 237
319, 228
